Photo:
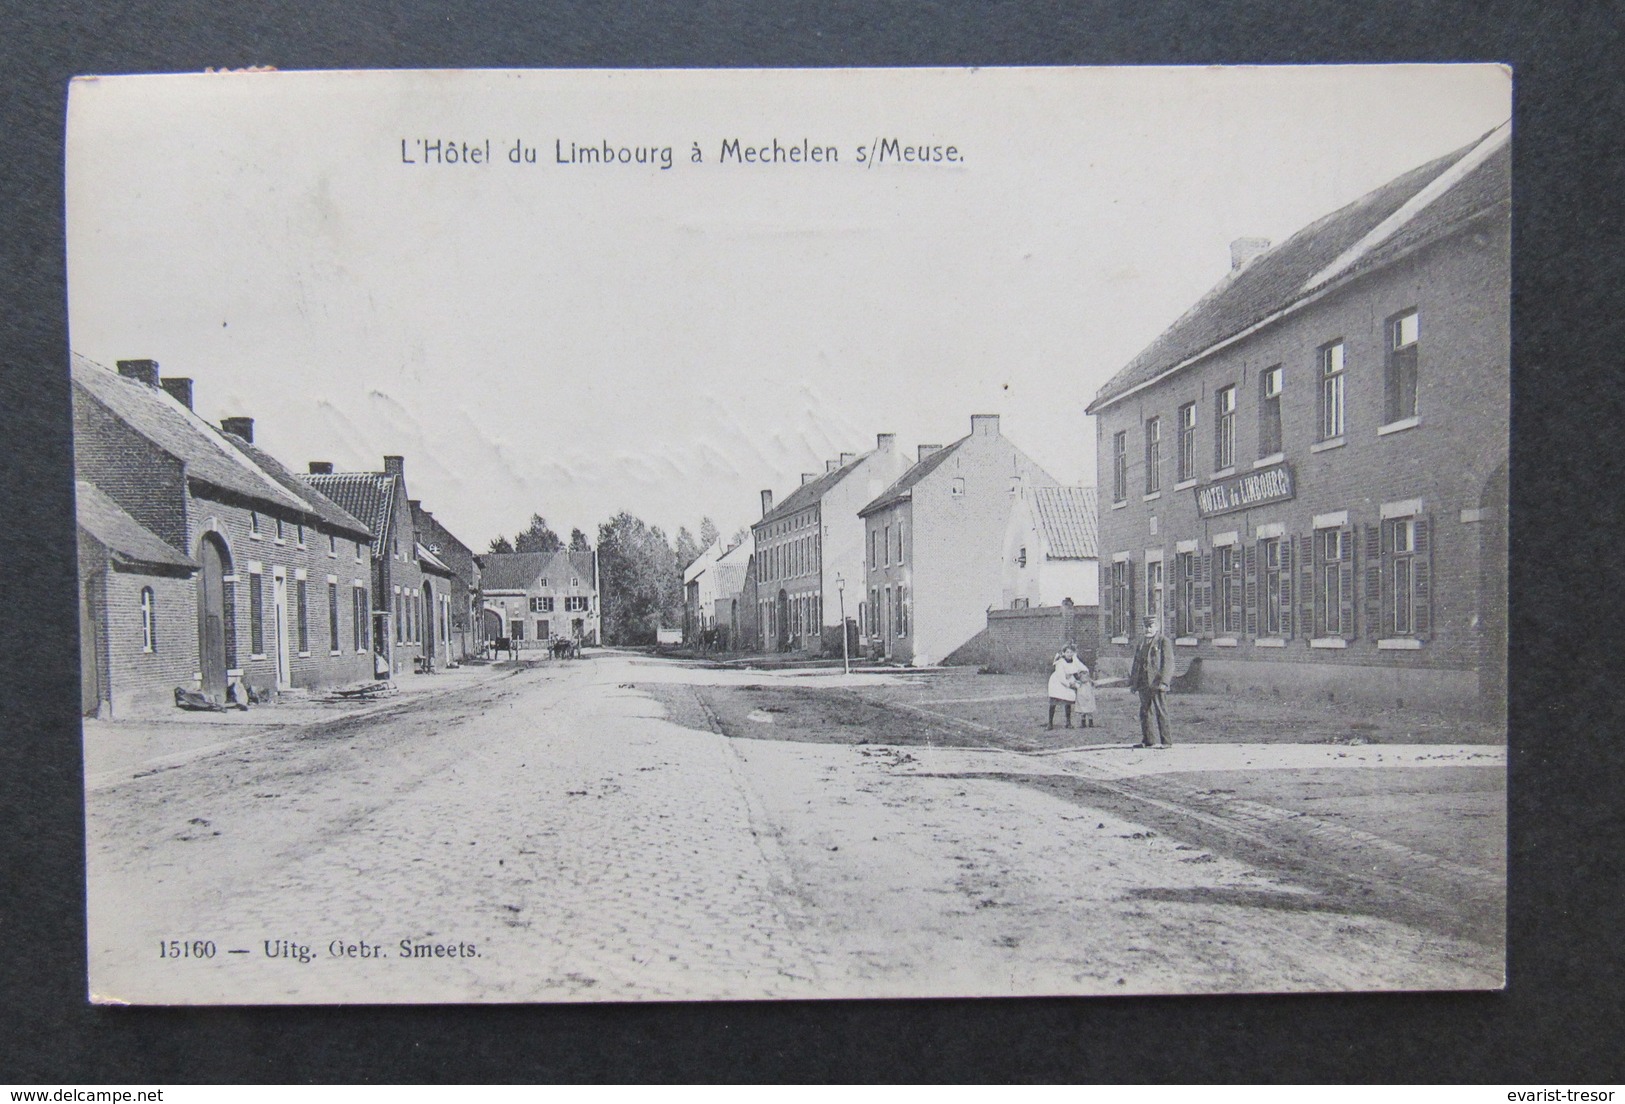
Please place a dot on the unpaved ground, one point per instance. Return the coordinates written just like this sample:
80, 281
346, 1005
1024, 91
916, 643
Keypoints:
595, 831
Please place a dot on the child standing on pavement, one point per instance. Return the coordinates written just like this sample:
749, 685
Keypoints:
1064, 686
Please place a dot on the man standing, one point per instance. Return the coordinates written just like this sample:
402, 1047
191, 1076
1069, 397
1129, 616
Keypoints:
1152, 675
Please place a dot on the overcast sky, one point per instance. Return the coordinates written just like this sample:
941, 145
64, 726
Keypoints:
578, 339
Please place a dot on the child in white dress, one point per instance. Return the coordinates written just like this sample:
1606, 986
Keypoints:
1067, 684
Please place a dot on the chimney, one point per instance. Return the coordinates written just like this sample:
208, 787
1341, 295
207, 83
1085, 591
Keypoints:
179, 388
847, 458
928, 450
321, 467
395, 465
1244, 251
808, 477
416, 506
885, 442
984, 425
239, 427
831, 465
142, 371
767, 502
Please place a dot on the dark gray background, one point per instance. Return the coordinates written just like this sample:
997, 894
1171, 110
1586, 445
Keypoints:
1562, 1018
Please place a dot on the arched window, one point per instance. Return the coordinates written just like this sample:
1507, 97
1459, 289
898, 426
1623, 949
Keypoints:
149, 621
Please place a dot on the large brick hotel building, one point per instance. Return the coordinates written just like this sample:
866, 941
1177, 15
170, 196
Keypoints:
1305, 476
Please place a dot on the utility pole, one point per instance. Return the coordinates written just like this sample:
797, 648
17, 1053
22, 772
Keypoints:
840, 591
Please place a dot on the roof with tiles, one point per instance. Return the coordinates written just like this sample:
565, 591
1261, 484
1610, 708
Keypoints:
324, 508
809, 492
520, 571
183, 434
366, 496
903, 488
124, 537
1419, 206
1068, 519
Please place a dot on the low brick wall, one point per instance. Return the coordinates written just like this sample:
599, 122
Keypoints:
1027, 639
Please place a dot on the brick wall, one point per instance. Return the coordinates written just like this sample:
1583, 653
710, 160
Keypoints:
1028, 639
1450, 460
138, 678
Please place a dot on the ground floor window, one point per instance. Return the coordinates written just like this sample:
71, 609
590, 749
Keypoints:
149, 621
902, 611
1334, 582
256, 613
332, 616
542, 631
1274, 588
1227, 570
1185, 593
361, 610
516, 630
303, 621
1153, 588
1122, 599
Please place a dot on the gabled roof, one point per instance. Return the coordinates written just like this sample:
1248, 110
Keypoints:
124, 537
167, 424
512, 570
1419, 206
904, 486
1067, 517
520, 570
367, 496
323, 507
810, 492
429, 561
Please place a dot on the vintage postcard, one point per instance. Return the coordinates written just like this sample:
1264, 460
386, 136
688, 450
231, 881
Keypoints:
684, 535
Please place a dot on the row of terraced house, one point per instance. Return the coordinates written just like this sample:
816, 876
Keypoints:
915, 555
206, 566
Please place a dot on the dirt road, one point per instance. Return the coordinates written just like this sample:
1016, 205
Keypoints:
589, 831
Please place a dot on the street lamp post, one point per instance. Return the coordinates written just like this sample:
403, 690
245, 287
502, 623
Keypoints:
840, 592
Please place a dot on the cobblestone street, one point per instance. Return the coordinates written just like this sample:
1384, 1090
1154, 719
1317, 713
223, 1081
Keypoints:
574, 831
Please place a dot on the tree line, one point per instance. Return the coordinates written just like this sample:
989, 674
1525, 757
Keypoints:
640, 569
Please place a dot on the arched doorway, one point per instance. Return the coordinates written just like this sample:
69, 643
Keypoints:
431, 621
492, 620
784, 621
215, 559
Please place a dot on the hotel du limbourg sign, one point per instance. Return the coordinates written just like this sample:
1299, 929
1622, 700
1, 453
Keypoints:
1241, 492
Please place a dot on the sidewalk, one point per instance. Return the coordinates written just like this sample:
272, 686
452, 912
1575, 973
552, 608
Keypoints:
116, 750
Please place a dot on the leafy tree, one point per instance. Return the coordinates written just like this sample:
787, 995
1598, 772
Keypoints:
688, 549
641, 585
709, 534
537, 537
499, 545
741, 535
578, 541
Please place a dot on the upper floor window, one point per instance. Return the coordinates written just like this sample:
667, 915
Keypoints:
1187, 442
332, 545
1269, 412
1331, 391
1224, 429
1120, 467
958, 489
1400, 378
253, 523
888, 544
1153, 455
279, 533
